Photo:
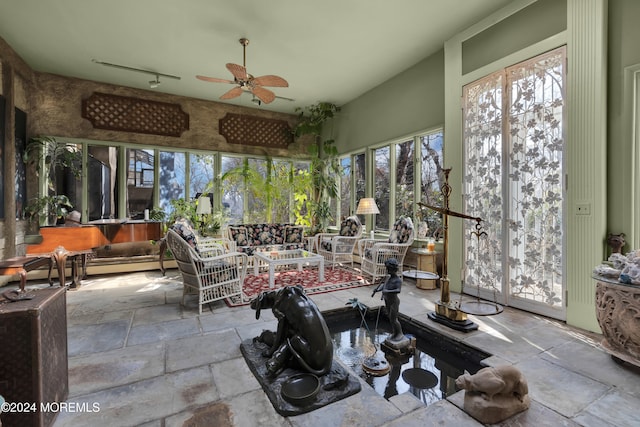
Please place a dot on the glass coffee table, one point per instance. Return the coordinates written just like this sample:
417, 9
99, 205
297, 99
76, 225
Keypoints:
297, 257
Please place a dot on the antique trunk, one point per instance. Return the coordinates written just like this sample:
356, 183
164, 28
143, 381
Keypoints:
33, 357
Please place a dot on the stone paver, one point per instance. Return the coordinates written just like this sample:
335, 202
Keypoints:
169, 330
96, 338
94, 372
202, 350
144, 401
613, 410
560, 389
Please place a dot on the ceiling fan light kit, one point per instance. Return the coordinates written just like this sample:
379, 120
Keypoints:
246, 82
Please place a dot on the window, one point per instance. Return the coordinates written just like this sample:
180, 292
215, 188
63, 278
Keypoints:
301, 193
259, 201
258, 189
401, 178
140, 180
345, 189
201, 173
281, 190
20, 189
381, 185
431, 181
265, 189
102, 176
359, 172
242, 185
404, 169
233, 187
172, 174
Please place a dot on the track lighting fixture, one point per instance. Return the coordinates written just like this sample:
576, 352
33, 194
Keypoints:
152, 83
256, 101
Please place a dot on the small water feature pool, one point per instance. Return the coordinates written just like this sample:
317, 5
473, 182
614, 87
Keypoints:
429, 373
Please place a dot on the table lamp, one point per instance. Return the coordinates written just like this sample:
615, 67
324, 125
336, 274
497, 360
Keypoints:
366, 206
203, 208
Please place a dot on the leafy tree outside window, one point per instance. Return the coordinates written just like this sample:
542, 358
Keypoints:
431, 179
382, 186
201, 173
345, 188
404, 196
172, 174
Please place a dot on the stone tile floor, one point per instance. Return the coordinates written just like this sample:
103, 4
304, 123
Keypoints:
148, 361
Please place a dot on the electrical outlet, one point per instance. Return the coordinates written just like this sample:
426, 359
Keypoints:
583, 209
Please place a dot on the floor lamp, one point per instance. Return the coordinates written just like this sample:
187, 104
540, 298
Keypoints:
368, 206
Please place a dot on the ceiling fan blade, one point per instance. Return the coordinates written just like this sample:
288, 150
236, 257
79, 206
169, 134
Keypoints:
270, 80
238, 71
214, 79
233, 93
265, 95
284, 98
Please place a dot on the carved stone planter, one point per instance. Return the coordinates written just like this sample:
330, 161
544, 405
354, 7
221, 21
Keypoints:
618, 314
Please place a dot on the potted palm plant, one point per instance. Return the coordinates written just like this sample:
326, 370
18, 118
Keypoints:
48, 155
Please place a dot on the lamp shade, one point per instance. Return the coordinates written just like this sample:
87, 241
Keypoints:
367, 206
204, 205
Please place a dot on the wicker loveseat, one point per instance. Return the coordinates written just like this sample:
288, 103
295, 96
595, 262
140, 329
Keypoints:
249, 238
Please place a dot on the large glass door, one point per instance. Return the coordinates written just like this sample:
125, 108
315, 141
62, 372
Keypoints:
513, 137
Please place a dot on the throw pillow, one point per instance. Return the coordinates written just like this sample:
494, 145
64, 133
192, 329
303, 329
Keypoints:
239, 235
293, 234
184, 228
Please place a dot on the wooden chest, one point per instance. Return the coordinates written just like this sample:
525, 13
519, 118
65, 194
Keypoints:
33, 356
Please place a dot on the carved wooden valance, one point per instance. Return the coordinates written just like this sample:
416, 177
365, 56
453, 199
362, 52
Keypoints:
129, 114
251, 130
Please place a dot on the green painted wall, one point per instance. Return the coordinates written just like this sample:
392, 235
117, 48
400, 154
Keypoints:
535, 22
623, 51
410, 102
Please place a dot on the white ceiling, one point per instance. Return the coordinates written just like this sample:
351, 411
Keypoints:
328, 50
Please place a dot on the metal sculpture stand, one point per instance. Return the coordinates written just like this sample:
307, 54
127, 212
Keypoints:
447, 312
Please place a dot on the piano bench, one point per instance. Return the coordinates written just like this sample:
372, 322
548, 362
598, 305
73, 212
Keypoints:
21, 265
60, 256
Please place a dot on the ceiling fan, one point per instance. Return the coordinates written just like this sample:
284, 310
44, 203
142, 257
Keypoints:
246, 82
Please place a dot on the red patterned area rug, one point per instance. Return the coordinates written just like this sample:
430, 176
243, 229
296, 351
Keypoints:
334, 280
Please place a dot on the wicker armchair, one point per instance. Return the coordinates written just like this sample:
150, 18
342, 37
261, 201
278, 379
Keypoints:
374, 253
213, 274
338, 248
207, 246
213, 246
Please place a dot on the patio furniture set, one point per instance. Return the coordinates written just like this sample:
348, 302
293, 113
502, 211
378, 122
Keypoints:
215, 268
